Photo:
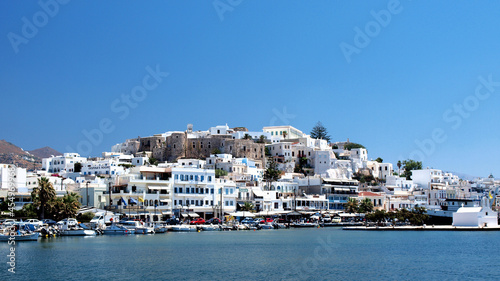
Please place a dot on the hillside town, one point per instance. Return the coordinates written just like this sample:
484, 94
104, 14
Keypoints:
222, 170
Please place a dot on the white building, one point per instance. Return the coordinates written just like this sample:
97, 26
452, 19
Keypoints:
289, 132
63, 163
475, 217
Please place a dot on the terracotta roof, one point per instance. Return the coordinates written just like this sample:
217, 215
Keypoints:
369, 194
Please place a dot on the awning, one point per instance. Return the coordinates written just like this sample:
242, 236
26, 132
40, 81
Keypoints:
242, 214
194, 215
157, 187
164, 200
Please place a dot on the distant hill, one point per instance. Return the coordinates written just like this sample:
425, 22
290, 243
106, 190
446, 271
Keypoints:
12, 154
45, 152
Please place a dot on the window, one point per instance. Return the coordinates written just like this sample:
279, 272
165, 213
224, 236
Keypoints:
197, 190
175, 189
206, 202
227, 191
176, 176
180, 189
231, 191
196, 178
175, 202
211, 202
202, 178
209, 178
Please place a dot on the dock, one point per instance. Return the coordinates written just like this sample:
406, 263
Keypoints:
423, 228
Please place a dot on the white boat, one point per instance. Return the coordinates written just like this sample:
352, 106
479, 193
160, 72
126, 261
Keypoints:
78, 232
305, 224
266, 226
116, 230
210, 227
184, 228
19, 236
137, 227
242, 227
68, 229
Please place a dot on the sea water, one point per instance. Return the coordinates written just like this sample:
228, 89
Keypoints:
291, 254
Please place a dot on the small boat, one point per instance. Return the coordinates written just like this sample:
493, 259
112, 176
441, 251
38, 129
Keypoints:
184, 228
137, 227
266, 226
305, 224
210, 227
242, 227
19, 236
68, 229
116, 230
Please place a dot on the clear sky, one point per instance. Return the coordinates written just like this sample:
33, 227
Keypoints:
402, 78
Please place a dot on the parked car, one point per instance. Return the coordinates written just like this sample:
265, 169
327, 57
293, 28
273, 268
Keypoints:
197, 221
69, 221
247, 221
9, 222
213, 221
34, 222
172, 221
49, 222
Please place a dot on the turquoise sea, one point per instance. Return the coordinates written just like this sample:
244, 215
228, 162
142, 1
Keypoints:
292, 254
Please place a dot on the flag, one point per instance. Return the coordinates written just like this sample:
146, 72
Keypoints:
490, 195
123, 201
141, 200
132, 200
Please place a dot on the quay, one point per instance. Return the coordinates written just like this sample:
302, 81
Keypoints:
423, 228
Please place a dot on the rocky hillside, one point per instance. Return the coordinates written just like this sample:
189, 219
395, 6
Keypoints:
12, 154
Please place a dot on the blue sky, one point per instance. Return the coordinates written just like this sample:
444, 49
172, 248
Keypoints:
248, 63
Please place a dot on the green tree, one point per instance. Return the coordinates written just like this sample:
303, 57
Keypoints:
43, 196
409, 165
366, 206
262, 139
380, 160
216, 151
352, 205
352, 145
319, 132
399, 167
85, 217
78, 167
68, 205
153, 161
272, 173
220, 173
267, 151
247, 137
247, 207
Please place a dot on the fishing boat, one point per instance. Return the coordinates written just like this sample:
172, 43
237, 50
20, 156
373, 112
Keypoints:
137, 227
210, 227
184, 228
305, 224
68, 229
116, 230
18, 235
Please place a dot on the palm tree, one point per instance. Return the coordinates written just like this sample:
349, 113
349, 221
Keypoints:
42, 196
352, 205
366, 206
285, 134
69, 205
399, 167
247, 207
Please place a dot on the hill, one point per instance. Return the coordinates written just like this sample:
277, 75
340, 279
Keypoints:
12, 154
45, 152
